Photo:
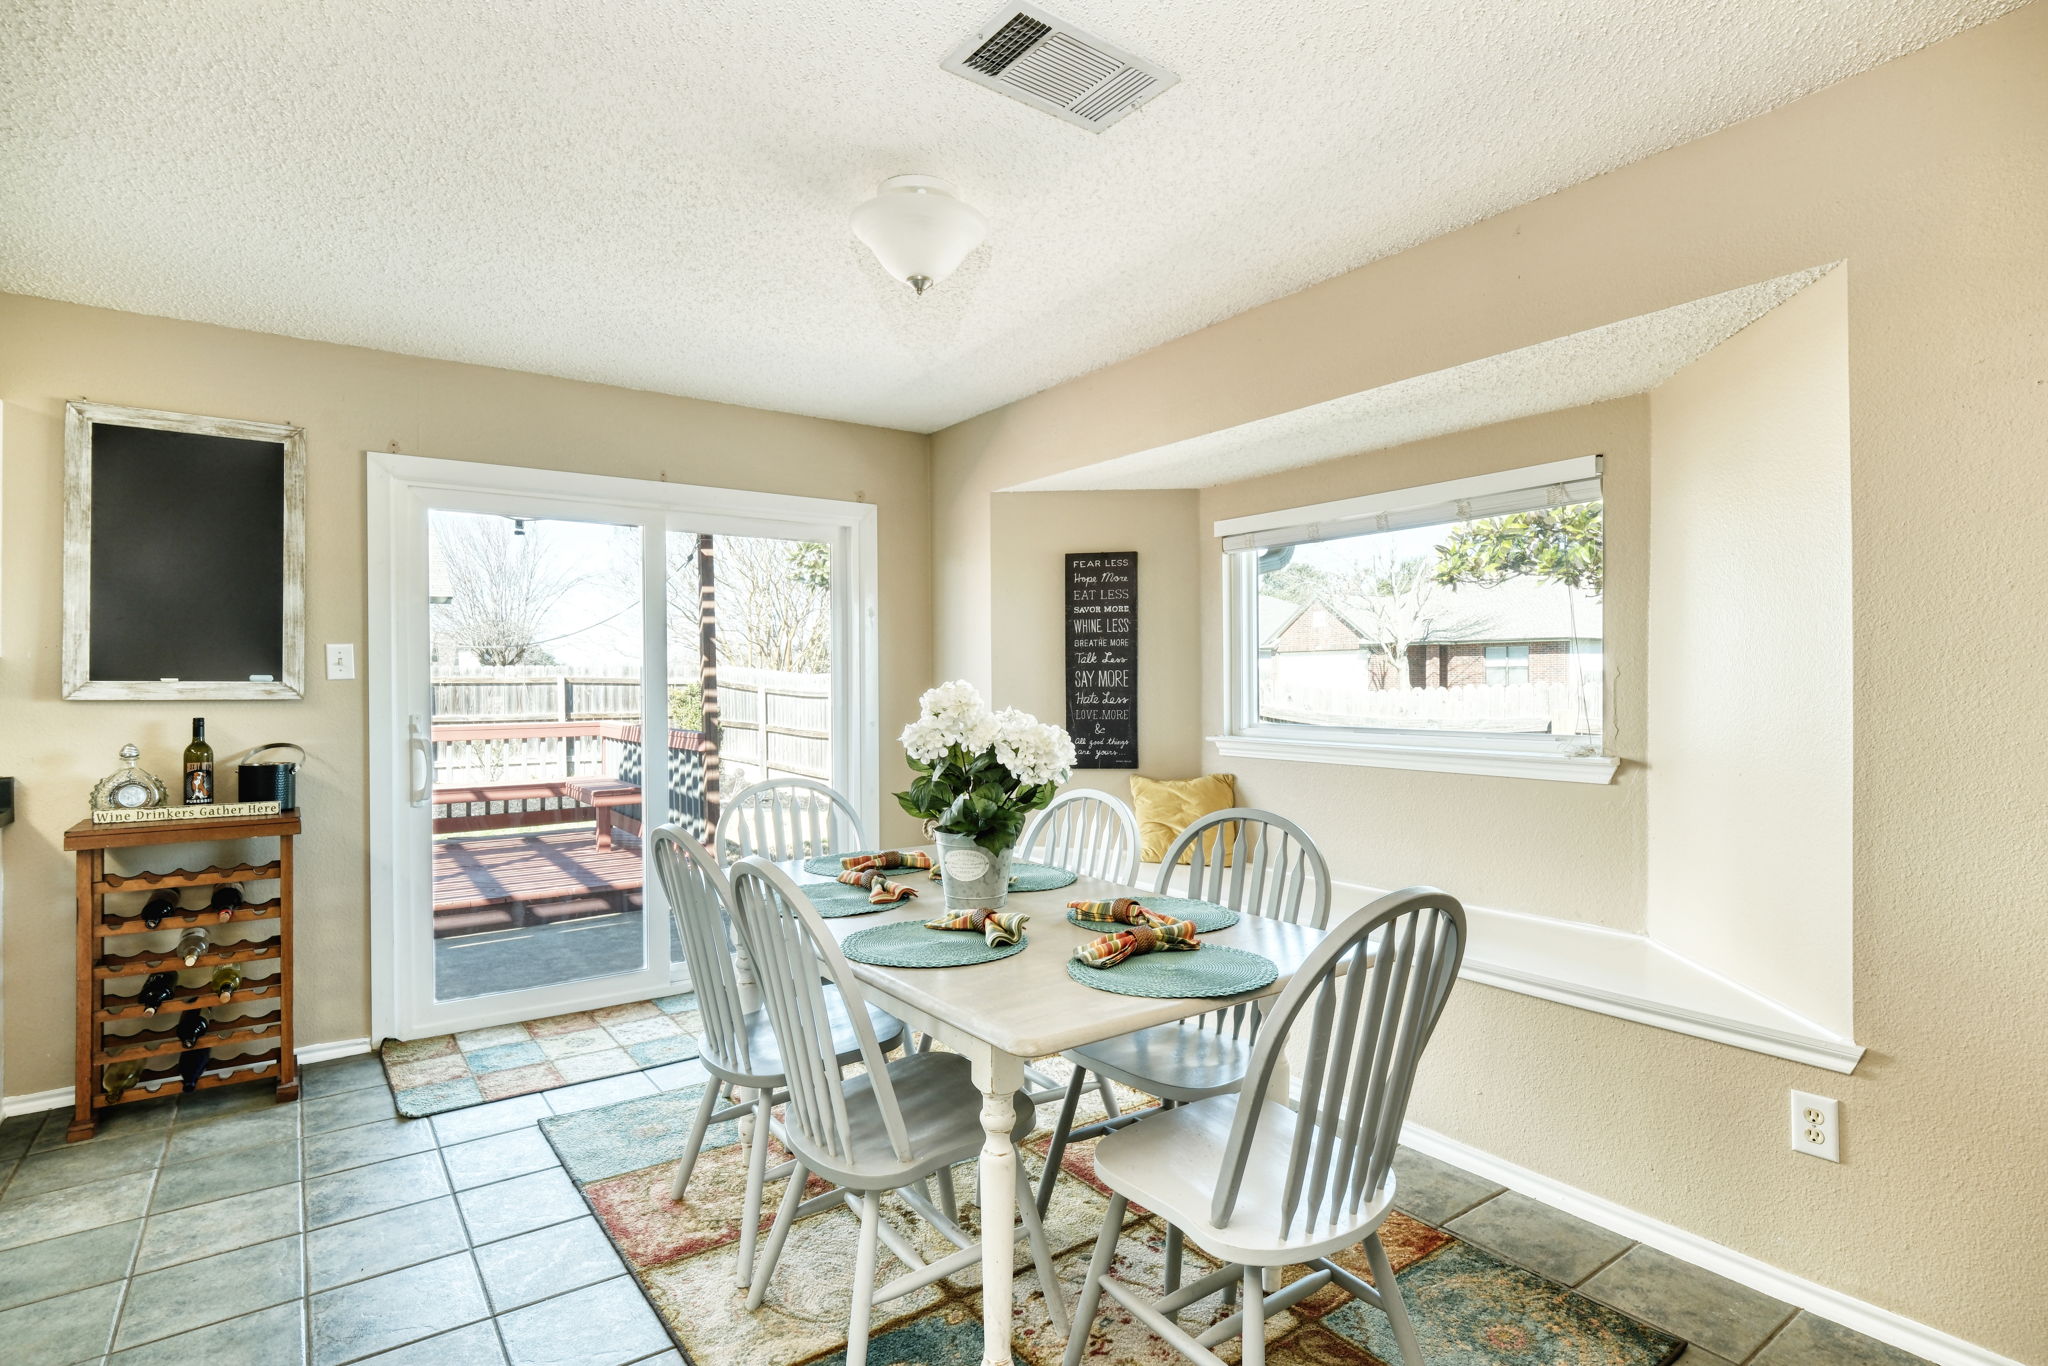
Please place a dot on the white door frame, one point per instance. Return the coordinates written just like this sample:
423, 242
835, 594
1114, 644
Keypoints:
399, 488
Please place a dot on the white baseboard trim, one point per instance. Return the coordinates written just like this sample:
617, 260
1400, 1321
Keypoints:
60, 1098
1882, 1324
327, 1052
35, 1102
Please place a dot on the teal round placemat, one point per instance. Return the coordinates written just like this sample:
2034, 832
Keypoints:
1211, 970
908, 944
1024, 877
834, 900
829, 865
1040, 877
1207, 915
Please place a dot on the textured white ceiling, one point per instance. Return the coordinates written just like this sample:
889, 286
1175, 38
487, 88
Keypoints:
1601, 363
654, 194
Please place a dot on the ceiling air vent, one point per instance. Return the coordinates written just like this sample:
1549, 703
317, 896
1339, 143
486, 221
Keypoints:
1049, 64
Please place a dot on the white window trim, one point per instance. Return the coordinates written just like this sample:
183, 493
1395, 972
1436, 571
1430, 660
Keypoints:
1549, 758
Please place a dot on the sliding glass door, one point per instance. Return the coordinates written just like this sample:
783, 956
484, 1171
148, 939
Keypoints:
561, 670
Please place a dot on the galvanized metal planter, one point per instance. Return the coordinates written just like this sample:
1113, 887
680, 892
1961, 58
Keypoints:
972, 876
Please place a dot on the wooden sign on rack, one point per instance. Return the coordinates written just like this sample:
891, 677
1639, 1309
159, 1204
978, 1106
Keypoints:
1102, 658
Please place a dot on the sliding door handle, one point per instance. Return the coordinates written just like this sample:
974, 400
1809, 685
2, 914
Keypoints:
420, 763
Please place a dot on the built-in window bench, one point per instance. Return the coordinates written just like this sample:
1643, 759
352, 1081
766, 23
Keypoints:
1613, 972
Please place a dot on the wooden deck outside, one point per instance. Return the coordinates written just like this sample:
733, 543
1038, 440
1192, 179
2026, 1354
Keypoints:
493, 882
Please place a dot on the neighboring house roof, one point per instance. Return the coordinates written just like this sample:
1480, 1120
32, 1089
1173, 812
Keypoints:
1520, 609
1276, 615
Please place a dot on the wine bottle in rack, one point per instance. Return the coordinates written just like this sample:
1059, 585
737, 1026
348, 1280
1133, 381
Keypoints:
192, 1025
227, 979
193, 943
226, 899
160, 904
198, 766
117, 1077
192, 1066
156, 989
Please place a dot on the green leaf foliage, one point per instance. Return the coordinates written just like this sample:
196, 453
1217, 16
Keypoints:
1562, 545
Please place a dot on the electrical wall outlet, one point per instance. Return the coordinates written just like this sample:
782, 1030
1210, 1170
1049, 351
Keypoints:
1816, 1126
341, 661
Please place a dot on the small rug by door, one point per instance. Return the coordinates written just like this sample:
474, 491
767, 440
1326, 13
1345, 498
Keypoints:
1470, 1308
454, 1071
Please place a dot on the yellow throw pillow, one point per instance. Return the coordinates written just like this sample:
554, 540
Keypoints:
1166, 807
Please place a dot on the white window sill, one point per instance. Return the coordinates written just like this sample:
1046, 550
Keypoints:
1632, 977
1552, 766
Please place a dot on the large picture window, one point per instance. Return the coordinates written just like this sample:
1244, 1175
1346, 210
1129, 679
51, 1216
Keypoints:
1467, 613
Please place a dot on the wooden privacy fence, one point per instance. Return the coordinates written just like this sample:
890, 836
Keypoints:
1558, 708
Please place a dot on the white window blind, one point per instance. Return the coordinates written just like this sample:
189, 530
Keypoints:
1558, 484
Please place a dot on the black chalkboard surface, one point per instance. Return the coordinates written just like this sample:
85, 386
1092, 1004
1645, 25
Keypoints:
1102, 658
184, 556
187, 549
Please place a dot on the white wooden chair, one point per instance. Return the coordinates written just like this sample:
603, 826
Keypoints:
1088, 833
736, 1041
786, 818
1256, 863
888, 1130
1258, 1184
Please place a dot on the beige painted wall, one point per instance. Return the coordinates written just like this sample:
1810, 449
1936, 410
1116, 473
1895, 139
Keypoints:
1927, 176
1571, 850
1031, 536
349, 400
1751, 796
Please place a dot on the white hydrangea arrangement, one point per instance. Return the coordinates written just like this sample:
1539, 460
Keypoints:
981, 773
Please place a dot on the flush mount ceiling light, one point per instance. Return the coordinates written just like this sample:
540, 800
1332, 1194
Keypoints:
918, 229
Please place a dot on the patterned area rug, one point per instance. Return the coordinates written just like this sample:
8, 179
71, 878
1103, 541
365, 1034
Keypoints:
1470, 1308
453, 1071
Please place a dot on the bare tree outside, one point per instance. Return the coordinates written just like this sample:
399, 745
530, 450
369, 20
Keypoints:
499, 588
1392, 598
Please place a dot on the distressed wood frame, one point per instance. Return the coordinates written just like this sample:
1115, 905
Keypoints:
79, 685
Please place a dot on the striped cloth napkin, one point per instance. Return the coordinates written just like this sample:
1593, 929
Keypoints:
1122, 911
1107, 950
881, 891
999, 927
887, 859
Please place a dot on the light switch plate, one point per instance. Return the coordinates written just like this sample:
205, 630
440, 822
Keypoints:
341, 661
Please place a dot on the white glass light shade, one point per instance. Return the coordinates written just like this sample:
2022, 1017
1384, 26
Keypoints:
918, 229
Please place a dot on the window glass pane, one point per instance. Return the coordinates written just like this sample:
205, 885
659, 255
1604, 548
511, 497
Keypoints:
1488, 625
536, 639
765, 628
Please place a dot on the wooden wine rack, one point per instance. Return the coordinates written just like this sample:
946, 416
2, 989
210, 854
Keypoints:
115, 947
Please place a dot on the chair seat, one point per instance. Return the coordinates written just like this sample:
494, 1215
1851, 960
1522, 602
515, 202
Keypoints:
1179, 1062
764, 1051
1169, 1164
941, 1109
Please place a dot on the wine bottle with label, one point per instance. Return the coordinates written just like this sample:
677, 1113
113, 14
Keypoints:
192, 1066
227, 979
117, 1077
156, 989
193, 943
198, 766
226, 899
192, 1025
160, 904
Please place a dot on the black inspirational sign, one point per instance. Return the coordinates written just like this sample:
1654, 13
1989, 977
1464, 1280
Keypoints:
1102, 658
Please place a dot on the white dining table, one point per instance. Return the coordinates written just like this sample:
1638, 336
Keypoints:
1001, 1014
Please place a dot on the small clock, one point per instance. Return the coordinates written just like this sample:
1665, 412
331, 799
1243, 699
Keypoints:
128, 788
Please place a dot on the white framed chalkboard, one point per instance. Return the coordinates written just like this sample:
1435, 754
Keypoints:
184, 556
1102, 658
